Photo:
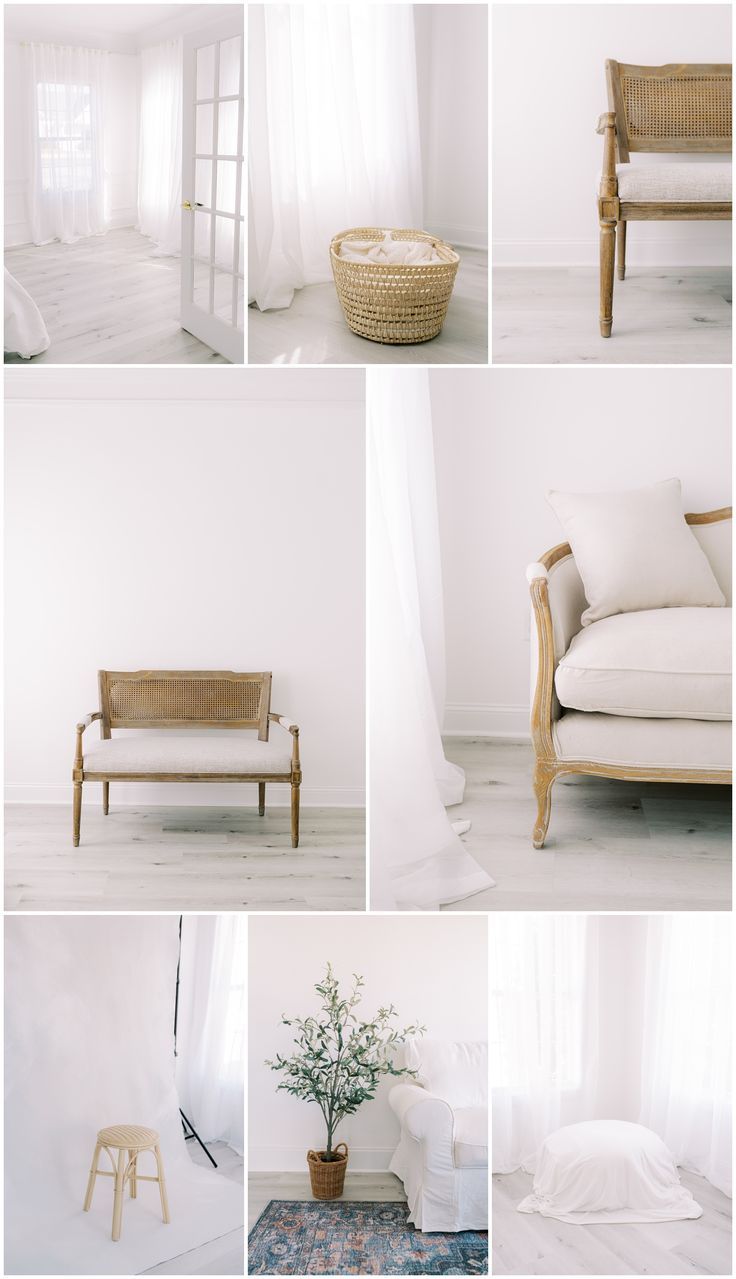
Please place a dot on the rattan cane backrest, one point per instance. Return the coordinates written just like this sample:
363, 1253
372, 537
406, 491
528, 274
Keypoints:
678, 107
171, 699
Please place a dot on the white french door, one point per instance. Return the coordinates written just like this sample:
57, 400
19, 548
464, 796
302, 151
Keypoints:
212, 251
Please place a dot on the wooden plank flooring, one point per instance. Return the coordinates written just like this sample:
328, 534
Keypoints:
549, 315
611, 845
528, 1244
223, 1256
107, 300
313, 329
381, 1187
196, 858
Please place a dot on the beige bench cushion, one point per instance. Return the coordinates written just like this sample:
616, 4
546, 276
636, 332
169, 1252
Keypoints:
178, 754
707, 183
670, 663
623, 742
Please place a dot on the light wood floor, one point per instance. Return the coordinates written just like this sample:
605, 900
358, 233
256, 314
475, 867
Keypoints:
313, 329
196, 858
527, 1244
548, 315
611, 845
381, 1187
223, 1256
106, 300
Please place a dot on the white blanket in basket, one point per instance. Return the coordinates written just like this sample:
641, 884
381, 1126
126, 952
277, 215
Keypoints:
25, 331
388, 250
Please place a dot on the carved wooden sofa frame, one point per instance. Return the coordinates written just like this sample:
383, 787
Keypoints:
546, 710
185, 699
676, 108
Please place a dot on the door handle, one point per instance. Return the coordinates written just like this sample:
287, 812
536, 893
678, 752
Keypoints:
197, 204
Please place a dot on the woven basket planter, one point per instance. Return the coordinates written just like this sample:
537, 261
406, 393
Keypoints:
396, 304
327, 1179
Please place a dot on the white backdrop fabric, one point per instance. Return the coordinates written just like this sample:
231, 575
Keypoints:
88, 1043
333, 136
211, 1038
417, 860
159, 148
25, 333
65, 91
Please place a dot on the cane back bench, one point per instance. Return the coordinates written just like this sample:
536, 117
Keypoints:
184, 700
674, 109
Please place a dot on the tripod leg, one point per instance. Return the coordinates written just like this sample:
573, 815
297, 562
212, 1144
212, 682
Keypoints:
197, 1138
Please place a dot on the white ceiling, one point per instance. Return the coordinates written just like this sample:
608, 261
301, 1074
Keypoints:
122, 28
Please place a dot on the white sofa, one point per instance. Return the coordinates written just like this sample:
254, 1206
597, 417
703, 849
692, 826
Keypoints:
637, 696
442, 1156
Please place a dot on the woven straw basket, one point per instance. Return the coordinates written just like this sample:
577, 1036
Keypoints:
327, 1179
396, 304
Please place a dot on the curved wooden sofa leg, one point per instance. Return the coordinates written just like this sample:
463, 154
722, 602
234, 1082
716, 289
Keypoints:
621, 250
295, 814
105, 798
544, 777
261, 799
77, 813
608, 251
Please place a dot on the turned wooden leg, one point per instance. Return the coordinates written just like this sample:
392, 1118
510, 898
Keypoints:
117, 1210
162, 1185
295, 814
608, 249
261, 798
132, 1156
77, 816
105, 798
544, 776
621, 249
92, 1178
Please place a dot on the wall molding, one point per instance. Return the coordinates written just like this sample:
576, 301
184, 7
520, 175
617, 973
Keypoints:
482, 719
294, 1158
666, 250
465, 237
226, 794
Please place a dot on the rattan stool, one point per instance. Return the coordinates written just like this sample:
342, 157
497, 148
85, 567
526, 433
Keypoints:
130, 1141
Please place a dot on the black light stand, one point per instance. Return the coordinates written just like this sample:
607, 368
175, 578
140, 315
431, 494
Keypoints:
189, 1129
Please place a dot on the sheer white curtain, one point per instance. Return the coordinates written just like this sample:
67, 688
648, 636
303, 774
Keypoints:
210, 1048
159, 152
544, 1032
418, 860
686, 1068
65, 109
333, 137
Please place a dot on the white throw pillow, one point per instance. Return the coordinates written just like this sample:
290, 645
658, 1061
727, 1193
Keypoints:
635, 550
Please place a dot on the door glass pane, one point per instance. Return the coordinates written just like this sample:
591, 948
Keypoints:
227, 142
201, 293
241, 294
203, 144
202, 223
203, 182
224, 233
224, 295
229, 67
226, 173
206, 72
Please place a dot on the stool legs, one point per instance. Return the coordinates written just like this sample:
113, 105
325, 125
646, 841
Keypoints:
132, 1156
162, 1185
92, 1178
117, 1209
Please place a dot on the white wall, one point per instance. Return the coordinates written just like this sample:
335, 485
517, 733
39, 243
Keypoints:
432, 968
157, 519
121, 144
548, 86
503, 437
452, 81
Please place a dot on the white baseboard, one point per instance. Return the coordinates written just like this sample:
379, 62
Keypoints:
480, 720
464, 237
294, 1158
669, 250
184, 794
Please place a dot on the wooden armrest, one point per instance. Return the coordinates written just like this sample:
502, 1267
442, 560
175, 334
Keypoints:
609, 182
88, 719
288, 724
84, 723
606, 121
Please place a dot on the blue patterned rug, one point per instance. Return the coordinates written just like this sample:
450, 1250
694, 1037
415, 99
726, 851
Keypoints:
344, 1238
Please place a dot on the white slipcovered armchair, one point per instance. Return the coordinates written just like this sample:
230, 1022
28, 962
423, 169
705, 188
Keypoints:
442, 1157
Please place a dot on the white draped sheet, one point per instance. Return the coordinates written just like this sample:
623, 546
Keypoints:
25, 332
159, 149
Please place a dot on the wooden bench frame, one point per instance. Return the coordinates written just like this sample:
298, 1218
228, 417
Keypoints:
158, 699
660, 127
547, 766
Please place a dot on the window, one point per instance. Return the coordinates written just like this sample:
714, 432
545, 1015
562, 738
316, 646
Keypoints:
65, 136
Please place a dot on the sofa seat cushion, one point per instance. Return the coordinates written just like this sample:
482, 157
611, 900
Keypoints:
654, 183
622, 742
172, 753
470, 1149
667, 663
